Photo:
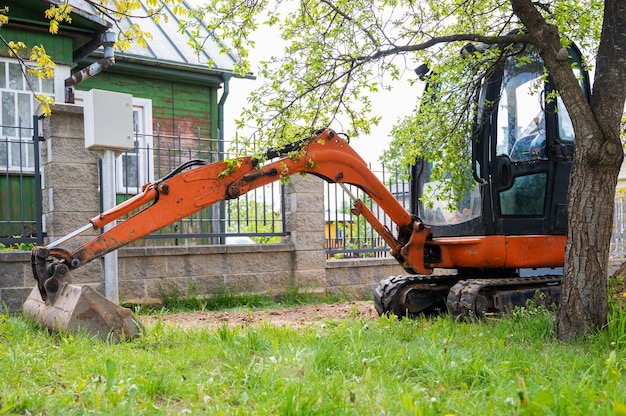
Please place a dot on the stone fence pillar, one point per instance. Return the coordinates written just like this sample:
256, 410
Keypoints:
70, 184
304, 201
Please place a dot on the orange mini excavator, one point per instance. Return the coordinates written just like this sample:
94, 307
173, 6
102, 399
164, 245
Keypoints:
502, 244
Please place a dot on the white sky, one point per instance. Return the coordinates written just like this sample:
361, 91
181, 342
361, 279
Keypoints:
391, 105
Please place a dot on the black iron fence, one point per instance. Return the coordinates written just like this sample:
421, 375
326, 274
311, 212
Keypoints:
20, 184
258, 216
349, 235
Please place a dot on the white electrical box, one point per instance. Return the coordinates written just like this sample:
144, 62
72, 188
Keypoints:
108, 120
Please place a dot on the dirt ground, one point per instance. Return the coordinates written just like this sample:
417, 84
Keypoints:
294, 317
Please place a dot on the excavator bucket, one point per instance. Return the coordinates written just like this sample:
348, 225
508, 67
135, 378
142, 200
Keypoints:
66, 308
83, 309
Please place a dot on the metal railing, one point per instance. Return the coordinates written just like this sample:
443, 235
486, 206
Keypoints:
20, 184
259, 214
349, 235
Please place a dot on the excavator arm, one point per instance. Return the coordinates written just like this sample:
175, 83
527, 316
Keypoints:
186, 191
196, 185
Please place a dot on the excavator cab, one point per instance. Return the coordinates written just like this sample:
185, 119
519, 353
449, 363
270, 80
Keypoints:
503, 242
522, 152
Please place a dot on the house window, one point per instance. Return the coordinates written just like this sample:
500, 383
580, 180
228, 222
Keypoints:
135, 167
16, 115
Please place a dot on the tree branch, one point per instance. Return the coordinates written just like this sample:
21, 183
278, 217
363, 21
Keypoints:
349, 19
468, 37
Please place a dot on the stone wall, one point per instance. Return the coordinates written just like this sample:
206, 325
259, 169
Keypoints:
155, 272
358, 278
261, 269
304, 218
71, 198
16, 280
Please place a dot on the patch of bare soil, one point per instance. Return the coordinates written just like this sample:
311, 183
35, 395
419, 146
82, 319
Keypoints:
294, 317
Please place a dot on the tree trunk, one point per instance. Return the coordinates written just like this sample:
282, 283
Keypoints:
598, 156
584, 296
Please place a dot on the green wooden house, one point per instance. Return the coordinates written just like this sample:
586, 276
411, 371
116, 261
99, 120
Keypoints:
178, 97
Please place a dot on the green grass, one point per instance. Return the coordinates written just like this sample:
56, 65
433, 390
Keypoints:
434, 366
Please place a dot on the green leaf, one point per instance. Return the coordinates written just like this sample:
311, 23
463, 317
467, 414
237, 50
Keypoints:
619, 409
111, 371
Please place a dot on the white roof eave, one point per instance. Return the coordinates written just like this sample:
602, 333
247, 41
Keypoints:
84, 9
168, 47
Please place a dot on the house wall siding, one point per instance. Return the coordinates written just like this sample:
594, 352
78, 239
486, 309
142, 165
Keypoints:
174, 103
16, 205
59, 47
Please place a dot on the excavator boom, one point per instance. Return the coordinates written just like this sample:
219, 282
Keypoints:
179, 195
62, 306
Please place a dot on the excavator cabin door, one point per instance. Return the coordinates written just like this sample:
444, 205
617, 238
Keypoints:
527, 148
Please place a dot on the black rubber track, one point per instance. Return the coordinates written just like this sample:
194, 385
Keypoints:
386, 299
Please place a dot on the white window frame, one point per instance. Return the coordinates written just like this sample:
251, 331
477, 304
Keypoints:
26, 163
143, 138
142, 128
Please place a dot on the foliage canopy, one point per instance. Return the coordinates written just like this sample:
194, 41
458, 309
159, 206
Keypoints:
338, 54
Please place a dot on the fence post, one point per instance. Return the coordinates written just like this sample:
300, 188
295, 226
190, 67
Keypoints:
304, 221
37, 140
